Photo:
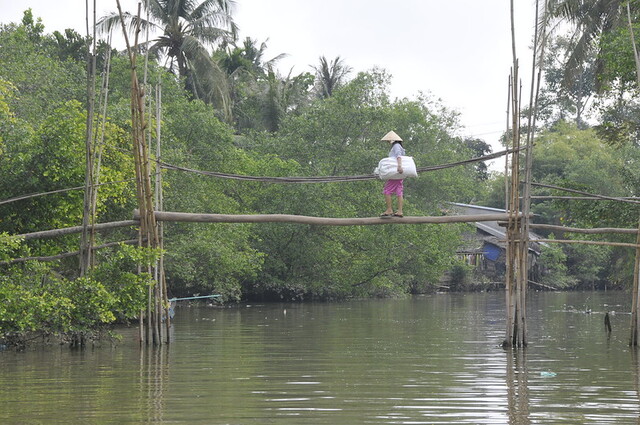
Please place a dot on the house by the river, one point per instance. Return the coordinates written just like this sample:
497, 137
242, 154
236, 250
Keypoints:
485, 249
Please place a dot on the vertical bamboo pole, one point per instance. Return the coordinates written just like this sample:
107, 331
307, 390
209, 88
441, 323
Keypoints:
635, 317
511, 274
160, 207
156, 295
526, 206
153, 269
517, 277
512, 202
520, 248
148, 228
506, 144
507, 202
526, 198
99, 144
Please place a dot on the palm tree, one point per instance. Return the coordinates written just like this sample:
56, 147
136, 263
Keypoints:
284, 95
187, 28
591, 20
253, 83
330, 76
248, 59
255, 55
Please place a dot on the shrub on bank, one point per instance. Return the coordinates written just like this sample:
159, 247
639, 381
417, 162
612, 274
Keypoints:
35, 300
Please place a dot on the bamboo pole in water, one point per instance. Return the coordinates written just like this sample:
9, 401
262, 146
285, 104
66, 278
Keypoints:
635, 317
526, 197
512, 263
148, 228
507, 200
160, 206
512, 226
519, 214
144, 317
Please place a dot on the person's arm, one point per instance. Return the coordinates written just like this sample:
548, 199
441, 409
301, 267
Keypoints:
400, 170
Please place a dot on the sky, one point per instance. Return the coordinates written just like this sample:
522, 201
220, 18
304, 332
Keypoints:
458, 51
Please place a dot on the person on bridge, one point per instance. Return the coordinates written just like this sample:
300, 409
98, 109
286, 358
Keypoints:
394, 186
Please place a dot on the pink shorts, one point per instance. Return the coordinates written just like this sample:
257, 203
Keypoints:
393, 186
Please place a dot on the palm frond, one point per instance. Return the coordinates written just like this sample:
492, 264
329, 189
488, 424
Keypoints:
211, 7
590, 19
112, 21
209, 80
230, 28
329, 75
212, 35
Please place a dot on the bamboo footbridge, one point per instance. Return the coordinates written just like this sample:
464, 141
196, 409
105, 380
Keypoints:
513, 220
150, 216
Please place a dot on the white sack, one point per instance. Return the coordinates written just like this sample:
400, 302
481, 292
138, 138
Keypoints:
387, 168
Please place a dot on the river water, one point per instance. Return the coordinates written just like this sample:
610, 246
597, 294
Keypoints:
425, 360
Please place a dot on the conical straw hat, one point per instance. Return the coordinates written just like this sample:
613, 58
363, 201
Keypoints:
391, 137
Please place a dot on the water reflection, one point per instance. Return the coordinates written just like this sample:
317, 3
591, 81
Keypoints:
635, 369
153, 382
517, 378
426, 360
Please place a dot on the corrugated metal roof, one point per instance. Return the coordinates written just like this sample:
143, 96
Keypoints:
492, 228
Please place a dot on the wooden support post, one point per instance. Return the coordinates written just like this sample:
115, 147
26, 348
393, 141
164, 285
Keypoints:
510, 305
635, 317
512, 275
148, 229
517, 276
162, 281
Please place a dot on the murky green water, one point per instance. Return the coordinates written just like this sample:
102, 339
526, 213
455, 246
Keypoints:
426, 360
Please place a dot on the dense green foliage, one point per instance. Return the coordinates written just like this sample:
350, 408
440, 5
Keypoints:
34, 297
334, 133
228, 110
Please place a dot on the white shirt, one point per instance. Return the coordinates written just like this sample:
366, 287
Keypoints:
396, 151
